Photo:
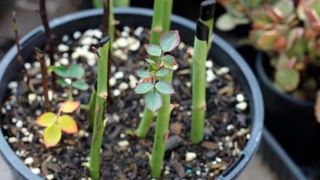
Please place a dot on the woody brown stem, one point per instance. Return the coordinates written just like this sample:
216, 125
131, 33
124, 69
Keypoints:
44, 74
44, 19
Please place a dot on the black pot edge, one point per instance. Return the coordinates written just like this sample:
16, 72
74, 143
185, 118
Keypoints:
260, 71
256, 108
277, 159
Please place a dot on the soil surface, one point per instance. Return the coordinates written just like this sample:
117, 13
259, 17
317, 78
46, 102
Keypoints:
125, 156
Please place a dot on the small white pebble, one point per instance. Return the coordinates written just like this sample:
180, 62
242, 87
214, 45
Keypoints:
123, 86
119, 75
91, 62
69, 81
242, 106
223, 71
132, 81
14, 120
134, 46
124, 34
32, 97
122, 135
63, 48
230, 127
19, 124
112, 81
219, 160
28, 161
75, 55
116, 92
248, 136
124, 143
50, 95
209, 64
188, 84
27, 66
86, 41
198, 172
64, 61
50, 177
210, 76
77, 35
65, 38
97, 33
122, 42
240, 97
65, 55
35, 170
12, 140
190, 156
13, 85
138, 31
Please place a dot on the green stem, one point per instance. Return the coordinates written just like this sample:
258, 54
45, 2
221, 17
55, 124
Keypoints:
167, 15
100, 107
145, 123
121, 3
202, 44
157, 21
162, 126
91, 107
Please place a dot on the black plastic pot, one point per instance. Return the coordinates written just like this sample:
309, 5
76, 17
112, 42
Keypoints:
223, 54
278, 160
290, 120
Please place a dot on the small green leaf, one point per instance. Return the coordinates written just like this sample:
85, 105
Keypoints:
80, 85
288, 80
143, 74
62, 83
76, 71
67, 124
52, 136
154, 50
150, 61
164, 87
46, 119
61, 71
169, 41
69, 106
153, 100
144, 87
168, 61
162, 72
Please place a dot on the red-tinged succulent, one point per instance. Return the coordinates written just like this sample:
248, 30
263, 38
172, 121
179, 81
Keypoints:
55, 124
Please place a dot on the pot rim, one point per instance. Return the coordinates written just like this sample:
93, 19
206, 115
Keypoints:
257, 108
262, 74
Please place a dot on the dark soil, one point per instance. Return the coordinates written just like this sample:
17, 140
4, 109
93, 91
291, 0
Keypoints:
124, 156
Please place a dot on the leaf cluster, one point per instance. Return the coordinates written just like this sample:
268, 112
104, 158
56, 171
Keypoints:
160, 65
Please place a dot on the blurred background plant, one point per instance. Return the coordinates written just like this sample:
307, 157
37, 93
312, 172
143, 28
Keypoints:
288, 32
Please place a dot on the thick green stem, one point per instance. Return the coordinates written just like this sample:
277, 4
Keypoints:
100, 107
91, 107
121, 3
202, 44
157, 21
167, 15
145, 123
198, 90
161, 134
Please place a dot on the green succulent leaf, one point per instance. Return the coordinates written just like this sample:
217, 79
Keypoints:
61, 71
144, 87
150, 61
143, 74
153, 100
162, 72
154, 50
288, 80
76, 71
164, 87
62, 83
228, 22
168, 61
80, 85
169, 41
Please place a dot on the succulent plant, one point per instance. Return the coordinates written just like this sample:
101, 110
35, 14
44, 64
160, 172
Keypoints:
288, 32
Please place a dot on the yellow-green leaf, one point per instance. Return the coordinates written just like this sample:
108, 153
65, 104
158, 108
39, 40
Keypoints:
67, 124
52, 136
46, 119
69, 106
